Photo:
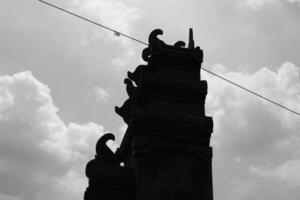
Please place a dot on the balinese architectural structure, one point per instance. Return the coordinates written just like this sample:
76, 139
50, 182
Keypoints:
165, 153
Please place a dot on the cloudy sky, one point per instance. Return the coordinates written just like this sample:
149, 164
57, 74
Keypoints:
61, 77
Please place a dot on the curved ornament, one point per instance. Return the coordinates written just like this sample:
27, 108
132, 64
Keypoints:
153, 36
179, 44
101, 148
146, 54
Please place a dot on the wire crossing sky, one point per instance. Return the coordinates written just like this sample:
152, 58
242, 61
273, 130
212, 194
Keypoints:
60, 82
117, 33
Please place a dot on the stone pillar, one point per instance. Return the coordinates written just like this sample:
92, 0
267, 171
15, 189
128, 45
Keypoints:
167, 143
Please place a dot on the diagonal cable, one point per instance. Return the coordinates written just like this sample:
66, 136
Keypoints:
250, 91
117, 33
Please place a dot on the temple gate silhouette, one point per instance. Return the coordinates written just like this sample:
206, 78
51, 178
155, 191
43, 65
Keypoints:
165, 153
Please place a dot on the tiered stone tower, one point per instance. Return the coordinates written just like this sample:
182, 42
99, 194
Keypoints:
165, 153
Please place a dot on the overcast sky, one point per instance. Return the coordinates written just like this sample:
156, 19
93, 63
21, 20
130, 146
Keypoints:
60, 78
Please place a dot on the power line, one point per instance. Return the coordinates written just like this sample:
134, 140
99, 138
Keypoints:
250, 91
117, 33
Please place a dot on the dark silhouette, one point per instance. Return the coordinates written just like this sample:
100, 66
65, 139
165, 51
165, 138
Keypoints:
124, 111
165, 150
107, 179
179, 44
140, 75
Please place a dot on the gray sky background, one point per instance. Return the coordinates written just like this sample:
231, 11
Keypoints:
60, 78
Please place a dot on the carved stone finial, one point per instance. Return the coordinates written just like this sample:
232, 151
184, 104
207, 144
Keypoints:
146, 54
140, 74
106, 176
103, 151
130, 88
179, 44
104, 156
153, 37
124, 110
191, 39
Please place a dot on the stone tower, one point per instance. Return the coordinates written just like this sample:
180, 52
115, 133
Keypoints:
165, 153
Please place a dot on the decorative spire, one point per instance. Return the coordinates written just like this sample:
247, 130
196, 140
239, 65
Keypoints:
191, 40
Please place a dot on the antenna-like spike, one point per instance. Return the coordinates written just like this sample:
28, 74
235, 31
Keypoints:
191, 39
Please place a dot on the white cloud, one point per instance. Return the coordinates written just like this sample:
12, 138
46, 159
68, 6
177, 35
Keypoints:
38, 137
126, 59
252, 136
293, 1
288, 172
6, 197
118, 15
256, 4
41, 157
101, 94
